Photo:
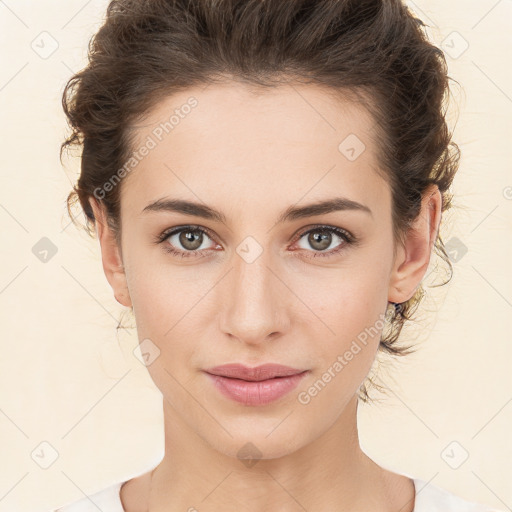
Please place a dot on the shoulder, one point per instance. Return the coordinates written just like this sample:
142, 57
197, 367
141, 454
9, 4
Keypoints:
431, 498
106, 500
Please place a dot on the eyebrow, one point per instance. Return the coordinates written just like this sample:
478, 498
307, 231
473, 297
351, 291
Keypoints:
290, 214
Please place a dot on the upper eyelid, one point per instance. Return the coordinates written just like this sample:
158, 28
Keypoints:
190, 227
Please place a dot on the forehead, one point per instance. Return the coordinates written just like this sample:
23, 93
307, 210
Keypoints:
231, 142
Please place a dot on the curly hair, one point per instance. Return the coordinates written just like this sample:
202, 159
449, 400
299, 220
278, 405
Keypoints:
375, 52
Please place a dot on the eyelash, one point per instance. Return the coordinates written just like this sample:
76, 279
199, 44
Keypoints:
348, 238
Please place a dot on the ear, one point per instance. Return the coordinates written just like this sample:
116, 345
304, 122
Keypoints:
413, 257
111, 256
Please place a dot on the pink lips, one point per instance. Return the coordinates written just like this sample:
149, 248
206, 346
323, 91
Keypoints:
255, 386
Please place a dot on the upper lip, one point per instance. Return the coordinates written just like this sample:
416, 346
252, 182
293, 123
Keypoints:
257, 373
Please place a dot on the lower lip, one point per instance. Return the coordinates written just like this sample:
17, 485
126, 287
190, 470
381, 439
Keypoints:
256, 393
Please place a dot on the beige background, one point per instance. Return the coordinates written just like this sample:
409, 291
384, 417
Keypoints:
68, 380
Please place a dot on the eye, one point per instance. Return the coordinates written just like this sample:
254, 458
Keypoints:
321, 237
189, 241
191, 238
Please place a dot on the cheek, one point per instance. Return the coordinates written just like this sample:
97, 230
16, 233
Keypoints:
158, 297
168, 311
349, 316
347, 302
165, 319
344, 356
151, 301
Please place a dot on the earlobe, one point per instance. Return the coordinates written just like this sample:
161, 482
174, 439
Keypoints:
111, 256
414, 257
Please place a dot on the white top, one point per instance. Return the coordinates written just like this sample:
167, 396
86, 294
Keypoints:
429, 498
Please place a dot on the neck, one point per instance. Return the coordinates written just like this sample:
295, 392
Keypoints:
329, 473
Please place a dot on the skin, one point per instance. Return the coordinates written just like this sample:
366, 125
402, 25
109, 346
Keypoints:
251, 156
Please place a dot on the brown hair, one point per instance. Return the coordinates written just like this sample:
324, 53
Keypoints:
374, 51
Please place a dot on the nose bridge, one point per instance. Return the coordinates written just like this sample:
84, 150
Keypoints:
253, 308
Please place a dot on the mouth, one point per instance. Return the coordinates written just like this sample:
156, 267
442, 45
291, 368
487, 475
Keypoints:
255, 386
254, 374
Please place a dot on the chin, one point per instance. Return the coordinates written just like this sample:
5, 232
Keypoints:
255, 442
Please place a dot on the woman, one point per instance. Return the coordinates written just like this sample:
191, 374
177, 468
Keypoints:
266, 180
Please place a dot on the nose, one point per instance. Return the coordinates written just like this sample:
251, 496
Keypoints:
254, 302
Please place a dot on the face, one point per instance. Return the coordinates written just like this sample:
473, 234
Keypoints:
265, 280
